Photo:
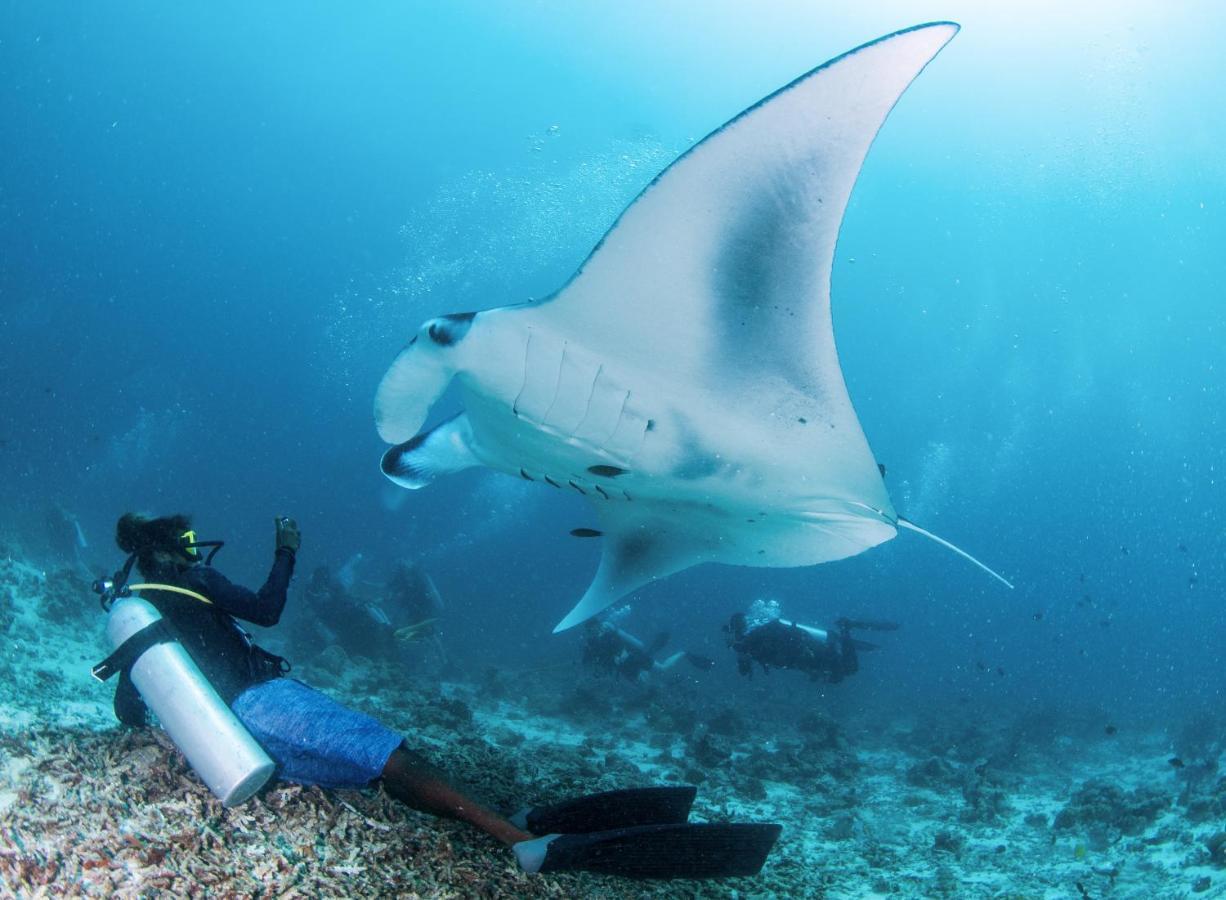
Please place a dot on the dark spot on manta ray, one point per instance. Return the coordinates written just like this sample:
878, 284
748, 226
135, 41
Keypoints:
803, 421
448, 330
549, 480
525, 476
607, 471
634, 548
585, 532
651, 425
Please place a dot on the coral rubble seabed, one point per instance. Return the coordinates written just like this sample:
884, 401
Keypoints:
946, 806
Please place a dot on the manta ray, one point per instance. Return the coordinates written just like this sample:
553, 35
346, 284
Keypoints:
685, 380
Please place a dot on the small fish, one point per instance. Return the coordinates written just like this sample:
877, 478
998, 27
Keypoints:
1124, 550
980, 665
1082, 577
1175, 762
1104, 623
1110, 730
585, 532
1038, 617
1183, 548
1000, 671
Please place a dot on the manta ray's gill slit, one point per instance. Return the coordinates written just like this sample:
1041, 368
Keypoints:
549, 480
524, 385
557, 385
629, 433
576, 487
591, 395
616, 422
524, 475
601, 492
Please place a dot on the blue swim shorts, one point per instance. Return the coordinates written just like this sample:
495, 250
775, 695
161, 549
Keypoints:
311, 737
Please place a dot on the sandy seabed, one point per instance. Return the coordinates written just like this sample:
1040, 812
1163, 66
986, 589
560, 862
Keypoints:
1036, 807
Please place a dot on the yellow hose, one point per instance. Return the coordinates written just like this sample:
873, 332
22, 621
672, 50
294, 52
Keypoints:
171, 587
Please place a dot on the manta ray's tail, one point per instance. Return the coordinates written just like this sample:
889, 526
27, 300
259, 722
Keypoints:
911, 526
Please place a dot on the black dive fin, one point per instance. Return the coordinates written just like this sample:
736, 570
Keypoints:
655, 851
611, 809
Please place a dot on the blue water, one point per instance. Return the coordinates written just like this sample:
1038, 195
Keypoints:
219, 223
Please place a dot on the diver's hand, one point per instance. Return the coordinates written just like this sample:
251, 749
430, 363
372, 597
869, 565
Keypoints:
288, 535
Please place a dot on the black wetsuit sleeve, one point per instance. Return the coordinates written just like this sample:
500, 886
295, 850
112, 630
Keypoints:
263, 607
129, 707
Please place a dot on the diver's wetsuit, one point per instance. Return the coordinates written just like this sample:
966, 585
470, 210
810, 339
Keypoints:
224, 653
338, 617
605, 649
789, 647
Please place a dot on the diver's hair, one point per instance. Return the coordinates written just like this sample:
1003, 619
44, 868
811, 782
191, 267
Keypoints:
146, 536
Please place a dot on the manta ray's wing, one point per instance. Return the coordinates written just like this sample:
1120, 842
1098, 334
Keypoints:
719, 275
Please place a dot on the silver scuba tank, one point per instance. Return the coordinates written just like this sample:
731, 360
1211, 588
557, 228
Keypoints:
217, 745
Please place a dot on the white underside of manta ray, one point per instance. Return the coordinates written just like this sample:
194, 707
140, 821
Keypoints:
685, 381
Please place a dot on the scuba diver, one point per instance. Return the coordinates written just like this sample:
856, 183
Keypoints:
344, 613
610, 649
826, 655
415, 605
338, 616
66, 539
191, 609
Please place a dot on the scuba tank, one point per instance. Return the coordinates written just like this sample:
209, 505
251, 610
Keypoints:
204, 729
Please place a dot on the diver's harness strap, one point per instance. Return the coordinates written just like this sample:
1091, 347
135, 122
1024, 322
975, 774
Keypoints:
127, 653
261, 664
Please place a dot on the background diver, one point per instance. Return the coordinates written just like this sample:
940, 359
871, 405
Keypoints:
779, 643
314, 740
611, 649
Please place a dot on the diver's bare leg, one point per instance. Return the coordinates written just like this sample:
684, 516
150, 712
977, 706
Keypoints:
412, 780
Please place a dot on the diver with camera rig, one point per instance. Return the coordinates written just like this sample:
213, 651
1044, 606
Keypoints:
228, 707
830, 655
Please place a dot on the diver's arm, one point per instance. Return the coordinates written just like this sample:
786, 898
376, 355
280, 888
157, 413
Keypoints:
129, 707
263, 607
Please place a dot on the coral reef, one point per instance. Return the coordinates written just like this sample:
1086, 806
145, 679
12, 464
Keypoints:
957, 804
1106, 809
129, 821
